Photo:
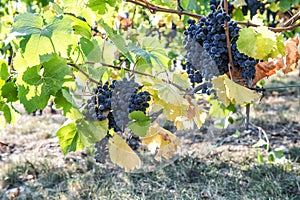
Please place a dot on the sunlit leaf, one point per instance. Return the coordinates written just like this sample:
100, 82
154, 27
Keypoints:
122, 155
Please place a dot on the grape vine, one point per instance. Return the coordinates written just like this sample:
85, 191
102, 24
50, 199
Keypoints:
59, 50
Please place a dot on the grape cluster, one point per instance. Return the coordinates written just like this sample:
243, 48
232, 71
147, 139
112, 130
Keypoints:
121, 100
206, 46
139, 101
100, 104
115, 101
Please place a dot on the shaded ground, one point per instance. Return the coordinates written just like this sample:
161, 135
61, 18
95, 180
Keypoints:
214, 163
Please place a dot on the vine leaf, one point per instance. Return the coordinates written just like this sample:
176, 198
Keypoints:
292, 55
231, 92
3, 73
63, 99
36, 84
260, 43
9, 112
161, 139
195, 115
41, 41
139, 123
9, 91
78, 134
118, 41
122, 155
100, 6
69, 138
287, 64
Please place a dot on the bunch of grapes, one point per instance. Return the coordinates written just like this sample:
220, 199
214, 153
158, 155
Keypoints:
206, 46
120, 100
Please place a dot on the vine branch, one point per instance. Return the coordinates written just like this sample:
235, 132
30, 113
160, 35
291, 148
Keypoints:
228, 43
153, 9
119, 68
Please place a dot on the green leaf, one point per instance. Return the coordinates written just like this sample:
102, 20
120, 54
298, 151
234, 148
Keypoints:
9, 112
35, 85
218, 109
100, 6
91, 132
41, 42
91, 50
27, 24
138, 51
81, 27
79, 134
69, 139
246, 42
64, 100
139, 123
3, 73
10, 92
260, 43
117, 40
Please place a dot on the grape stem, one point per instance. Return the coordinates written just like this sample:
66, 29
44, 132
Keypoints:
153, 9
231, 66
119, 68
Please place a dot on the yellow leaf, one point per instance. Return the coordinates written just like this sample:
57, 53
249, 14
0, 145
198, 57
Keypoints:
195, 112
122, 155
219, 86
163, 140
183, 123
229, 91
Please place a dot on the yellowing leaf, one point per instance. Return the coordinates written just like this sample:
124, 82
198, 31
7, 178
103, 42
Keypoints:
221, 89
195, 115
122, 155
164, 140
229, 91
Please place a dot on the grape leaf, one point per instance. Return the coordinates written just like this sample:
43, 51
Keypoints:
195, 115
292, 55
117, 40
218, 109
91, 49
64, 100
290, 63
164, 140
41, 43
182, 80
122, 155
169, 93
157, 52
231, 92
81, 27
78, 134
139, 123
35, 85
10, 92
69, 139
100, 6
91, 132
3, 73
260, 43
246, 42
